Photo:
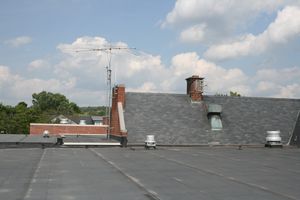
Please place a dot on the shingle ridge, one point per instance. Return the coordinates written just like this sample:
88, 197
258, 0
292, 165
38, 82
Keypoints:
157, 93
249, 97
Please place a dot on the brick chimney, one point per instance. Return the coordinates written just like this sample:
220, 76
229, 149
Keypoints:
117, 123
195, 87
119, 94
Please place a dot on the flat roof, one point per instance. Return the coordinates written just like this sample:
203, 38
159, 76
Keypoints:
134, 173
21, 138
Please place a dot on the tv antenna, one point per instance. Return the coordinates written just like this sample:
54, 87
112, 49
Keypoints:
108, 51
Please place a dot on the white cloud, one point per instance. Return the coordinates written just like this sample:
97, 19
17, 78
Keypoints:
289, 91
6, 77
19, 41
83, 44
223, 18
278, 82
15, 87
146, 73
193, 34
38, 65
267, 86
285, 27
90, 66
193, 10
285, 75
266, 82
218, 79
145, 87
82, 76
235, 11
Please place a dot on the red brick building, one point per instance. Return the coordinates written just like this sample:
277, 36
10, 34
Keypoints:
67, 129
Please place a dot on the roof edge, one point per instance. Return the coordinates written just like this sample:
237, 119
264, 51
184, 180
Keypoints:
215, 96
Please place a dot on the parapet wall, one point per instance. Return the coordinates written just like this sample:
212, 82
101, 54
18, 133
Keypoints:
64, 129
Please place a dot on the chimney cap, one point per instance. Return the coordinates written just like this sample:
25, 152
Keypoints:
195, 77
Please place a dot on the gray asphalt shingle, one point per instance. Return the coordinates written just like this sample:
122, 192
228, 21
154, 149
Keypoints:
173, 119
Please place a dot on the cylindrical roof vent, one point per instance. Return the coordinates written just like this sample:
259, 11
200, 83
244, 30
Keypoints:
150, 142
82, 122
46, 134
273, 139
64, 121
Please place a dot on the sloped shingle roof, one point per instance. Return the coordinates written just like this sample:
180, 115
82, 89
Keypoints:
173, 119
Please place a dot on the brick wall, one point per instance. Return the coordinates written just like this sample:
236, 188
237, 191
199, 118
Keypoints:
61, 129
118, 95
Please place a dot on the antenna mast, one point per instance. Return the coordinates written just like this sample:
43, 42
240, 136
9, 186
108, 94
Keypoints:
108, 50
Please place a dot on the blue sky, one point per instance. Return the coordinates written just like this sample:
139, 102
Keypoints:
251, 47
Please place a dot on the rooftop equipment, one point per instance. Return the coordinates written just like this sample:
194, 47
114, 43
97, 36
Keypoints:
273, 139
150, 142
64, 121
82, 122
46, 134
214, 109
214, 115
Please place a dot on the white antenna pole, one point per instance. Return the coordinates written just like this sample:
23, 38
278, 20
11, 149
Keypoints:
109, 76
109, 95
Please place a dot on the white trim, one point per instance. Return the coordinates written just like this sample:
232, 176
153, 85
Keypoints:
91, 143
84, 134
44, 124
121, 117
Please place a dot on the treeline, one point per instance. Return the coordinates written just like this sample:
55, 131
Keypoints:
231, 94
45, 106
93, 110
16, 120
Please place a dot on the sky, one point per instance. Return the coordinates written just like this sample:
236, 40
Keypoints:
251, 47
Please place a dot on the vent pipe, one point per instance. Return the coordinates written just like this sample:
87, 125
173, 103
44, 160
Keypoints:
82, 122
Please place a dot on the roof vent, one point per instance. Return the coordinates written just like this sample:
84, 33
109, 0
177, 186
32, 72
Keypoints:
82, 122
273, 139
46, 134
214, 109
64, 121
150, 142
214, 115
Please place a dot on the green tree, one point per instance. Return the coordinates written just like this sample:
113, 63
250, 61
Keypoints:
96, 110
234, 94
53, 103
17, 119
3, 119
8, 122
21, 118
